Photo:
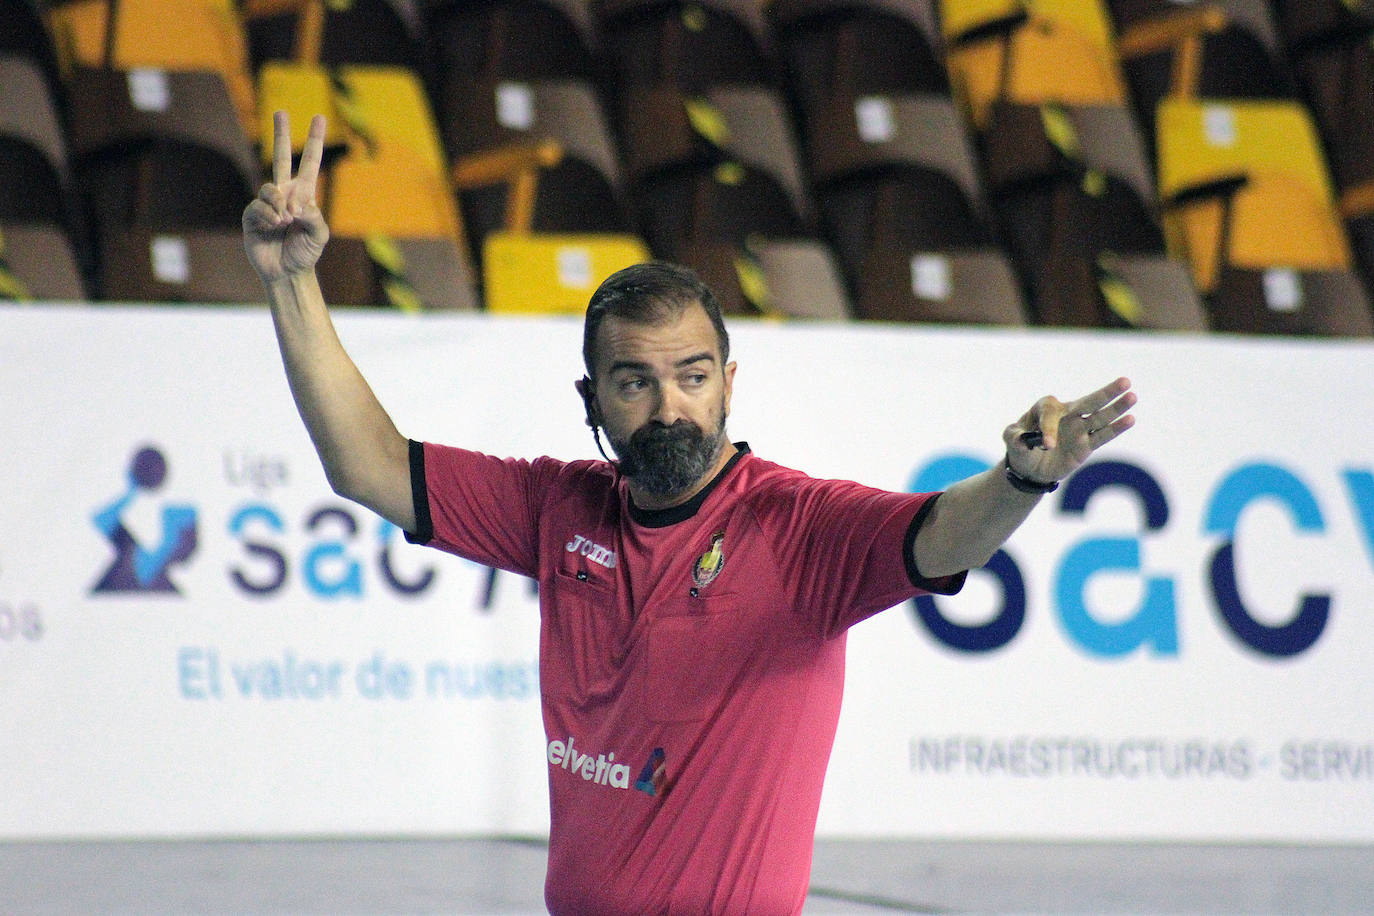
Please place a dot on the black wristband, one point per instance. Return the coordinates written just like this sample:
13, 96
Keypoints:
1025, 485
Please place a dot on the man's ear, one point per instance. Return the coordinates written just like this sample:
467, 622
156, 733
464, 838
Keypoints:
584, 388
729, 385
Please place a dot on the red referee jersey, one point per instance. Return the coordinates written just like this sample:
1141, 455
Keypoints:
691, 662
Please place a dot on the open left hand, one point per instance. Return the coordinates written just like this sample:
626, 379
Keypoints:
1070, 432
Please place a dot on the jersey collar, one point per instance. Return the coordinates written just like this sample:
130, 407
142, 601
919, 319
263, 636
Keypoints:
662, 518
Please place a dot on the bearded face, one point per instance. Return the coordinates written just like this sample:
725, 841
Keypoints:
662, 395
666, 460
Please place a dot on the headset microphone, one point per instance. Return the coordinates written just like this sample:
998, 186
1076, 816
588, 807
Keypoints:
588, 396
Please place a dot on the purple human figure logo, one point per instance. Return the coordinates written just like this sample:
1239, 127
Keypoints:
136, 567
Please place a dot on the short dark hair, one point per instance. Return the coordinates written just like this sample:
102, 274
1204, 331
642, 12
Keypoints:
649, 293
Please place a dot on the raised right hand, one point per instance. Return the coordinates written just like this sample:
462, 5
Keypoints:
284, 231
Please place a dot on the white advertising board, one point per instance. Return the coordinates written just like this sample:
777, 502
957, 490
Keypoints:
1175, 645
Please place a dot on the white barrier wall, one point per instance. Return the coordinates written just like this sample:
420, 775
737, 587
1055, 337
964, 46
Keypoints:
1176, 645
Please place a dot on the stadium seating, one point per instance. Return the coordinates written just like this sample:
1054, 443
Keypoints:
494, 131
719, 185
1010, 51
966, 161
527, 40
408, 274
1064, 163
517, 94
890, 163
159, 151
691, 44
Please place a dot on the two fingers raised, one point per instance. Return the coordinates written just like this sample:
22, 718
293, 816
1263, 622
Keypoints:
289, 195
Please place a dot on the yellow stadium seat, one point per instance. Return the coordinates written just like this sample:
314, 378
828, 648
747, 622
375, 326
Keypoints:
1086, 17
1212, 139
371, 101
1278, 208
302, 92
390, 103
1249, 205
388, 188
1030, 52
388, 172
552, 273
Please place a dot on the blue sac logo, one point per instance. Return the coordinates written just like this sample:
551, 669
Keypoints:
1153, 625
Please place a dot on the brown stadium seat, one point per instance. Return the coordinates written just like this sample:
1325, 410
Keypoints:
194, 266
890, 163
802, 280
858, 48
24, 35
1075, 198
1151, 292
691, 44
1329, 45
532, 156
158, 150
174, 35
896, 179
665, 128
37, 263
1305, 23
380, 32
1225, 49
902, 283
517, 99
534, 163
718, 185
35, 175
486, 40
406, 274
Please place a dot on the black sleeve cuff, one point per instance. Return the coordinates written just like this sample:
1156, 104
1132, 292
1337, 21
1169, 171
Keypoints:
419, 493
945, 585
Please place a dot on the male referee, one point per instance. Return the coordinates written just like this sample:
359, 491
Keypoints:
694, 596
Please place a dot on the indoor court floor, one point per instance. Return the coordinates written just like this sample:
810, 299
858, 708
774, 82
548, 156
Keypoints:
505, 876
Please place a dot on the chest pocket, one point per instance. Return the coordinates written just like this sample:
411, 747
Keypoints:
583, 655
698, 653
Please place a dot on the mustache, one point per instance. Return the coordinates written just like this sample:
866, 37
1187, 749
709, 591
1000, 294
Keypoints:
655, 433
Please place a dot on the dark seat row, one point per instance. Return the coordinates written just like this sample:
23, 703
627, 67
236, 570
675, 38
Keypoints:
1122, 164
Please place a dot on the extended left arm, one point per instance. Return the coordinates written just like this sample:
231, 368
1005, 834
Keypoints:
974, 517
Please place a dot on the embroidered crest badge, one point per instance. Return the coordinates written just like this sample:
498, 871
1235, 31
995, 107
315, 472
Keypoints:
710, 563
